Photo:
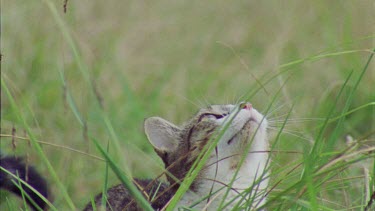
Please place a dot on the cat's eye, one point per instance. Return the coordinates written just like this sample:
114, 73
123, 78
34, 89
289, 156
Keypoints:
212, 116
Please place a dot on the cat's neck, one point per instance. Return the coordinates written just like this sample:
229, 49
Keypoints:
226, 174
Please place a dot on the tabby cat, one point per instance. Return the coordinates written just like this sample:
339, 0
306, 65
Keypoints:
242, 136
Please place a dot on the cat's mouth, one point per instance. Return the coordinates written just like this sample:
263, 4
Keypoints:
246, 126
231, 140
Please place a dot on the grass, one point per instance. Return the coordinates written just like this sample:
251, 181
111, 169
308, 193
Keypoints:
97, 71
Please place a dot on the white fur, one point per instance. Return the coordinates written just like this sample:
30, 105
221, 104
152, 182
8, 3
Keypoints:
251, 169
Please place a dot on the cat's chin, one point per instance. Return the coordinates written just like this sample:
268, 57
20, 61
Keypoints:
246, 134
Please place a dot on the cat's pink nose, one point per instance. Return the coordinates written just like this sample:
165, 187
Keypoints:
248, 106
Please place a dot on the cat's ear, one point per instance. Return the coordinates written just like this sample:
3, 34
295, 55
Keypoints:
162, 134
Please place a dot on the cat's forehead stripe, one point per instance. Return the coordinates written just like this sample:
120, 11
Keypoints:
221, 108
214, 108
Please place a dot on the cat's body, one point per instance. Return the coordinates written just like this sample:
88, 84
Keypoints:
120, 199
17, 167
245, 137
240, 135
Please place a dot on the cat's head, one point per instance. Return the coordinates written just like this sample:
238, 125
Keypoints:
179, 147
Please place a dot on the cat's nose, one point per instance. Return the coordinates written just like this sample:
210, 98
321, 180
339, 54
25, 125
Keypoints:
247, 106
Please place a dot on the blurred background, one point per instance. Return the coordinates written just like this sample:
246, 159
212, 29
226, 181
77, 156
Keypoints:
100, 68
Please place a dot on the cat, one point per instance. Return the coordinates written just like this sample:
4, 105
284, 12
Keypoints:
179, 148
17, 167
242, 135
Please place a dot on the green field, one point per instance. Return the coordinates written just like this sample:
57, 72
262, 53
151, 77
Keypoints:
98, 70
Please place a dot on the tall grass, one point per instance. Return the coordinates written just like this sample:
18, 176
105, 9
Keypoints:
95, 72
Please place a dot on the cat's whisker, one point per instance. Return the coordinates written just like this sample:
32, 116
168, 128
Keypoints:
291, 133
189, 101
282, 116
266, 151
201, 104
272, 127
273, 110
233, 100
277, 123
207, 103
296, 120
295, 133
204, 103
277, 108
239, 99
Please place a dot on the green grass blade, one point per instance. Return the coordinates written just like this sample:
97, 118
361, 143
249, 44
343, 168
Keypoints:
338, 129
64, 30
105, 186
343, 114
86, 76
35, 144
125, 180
318, 140
320, 56
28, 186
